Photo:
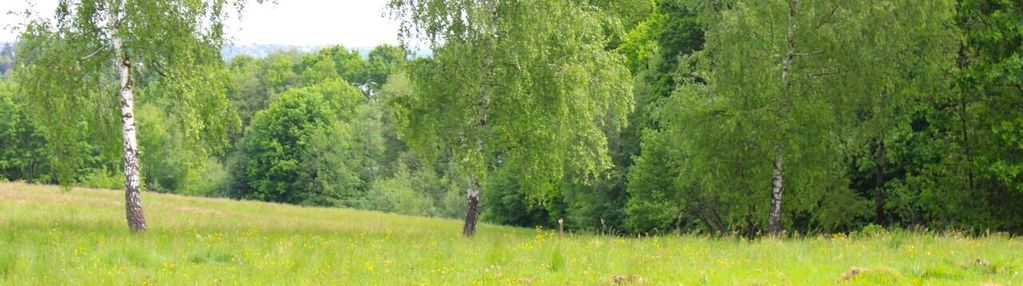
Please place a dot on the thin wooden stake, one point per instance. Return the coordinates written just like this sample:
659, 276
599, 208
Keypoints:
561, 226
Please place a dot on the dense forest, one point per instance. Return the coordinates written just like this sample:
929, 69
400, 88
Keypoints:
620, 117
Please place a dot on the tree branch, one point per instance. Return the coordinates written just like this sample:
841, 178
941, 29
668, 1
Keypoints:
808, 53
821, 74
159, 68
826, 19
90, 55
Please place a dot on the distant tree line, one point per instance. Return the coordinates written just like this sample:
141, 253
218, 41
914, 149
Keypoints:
622, 117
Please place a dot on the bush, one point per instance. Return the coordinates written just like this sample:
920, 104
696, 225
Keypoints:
102, 179
873, 230
397, 195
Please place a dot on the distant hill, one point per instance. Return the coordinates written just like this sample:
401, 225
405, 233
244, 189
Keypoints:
228, 52
6, 57
262, 50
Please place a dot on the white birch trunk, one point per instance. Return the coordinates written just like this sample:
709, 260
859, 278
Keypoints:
132, 193
778, 176
472, 196
777, 190
472, 210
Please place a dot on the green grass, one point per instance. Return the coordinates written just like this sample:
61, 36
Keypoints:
52, 237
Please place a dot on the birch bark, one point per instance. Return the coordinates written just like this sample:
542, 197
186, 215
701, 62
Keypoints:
777, 180
132, 193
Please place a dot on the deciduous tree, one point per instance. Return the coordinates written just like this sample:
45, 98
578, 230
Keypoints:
72, 65
513, 82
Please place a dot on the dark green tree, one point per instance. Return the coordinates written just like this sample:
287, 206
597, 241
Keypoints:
299, 150
23, 153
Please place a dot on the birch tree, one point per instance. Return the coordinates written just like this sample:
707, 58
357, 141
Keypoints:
752, 129
527, 83
90, 61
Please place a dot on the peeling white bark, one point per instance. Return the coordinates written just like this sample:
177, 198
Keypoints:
132, 192
472, 210
777, 178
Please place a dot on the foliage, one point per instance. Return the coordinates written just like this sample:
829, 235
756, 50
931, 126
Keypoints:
730, 111
655, 202
291, 152
22, 147
169, 164
506, 203
102, 177
992, 72
384, 61
397, 195
347, 63
65, 67
249, 91
326, 175
280, 71
526, 84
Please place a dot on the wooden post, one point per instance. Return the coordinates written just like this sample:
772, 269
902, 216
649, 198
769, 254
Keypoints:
561, 226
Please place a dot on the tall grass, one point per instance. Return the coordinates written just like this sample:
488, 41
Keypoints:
78, 237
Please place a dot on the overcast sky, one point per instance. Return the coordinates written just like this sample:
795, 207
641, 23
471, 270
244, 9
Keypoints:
353, 23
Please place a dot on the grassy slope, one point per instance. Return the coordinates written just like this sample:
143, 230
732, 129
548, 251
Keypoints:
48, 236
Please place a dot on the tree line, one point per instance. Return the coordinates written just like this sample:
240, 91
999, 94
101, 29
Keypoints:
623, 117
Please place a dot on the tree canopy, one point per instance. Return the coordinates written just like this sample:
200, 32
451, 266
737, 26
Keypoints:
522, 83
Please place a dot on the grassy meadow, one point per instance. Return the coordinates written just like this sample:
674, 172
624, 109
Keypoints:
53, 237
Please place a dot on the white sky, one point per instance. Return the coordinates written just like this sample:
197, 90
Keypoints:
353, 23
